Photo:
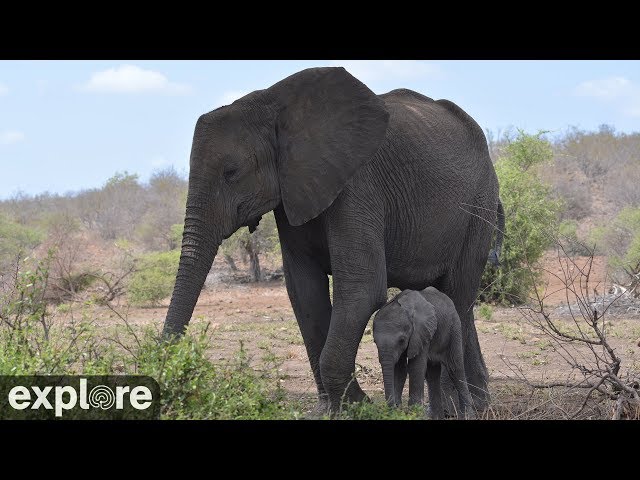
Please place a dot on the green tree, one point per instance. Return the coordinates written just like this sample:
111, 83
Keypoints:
175, 235
16, 238
154, 277
16, 242
531, 217
620, 241
116, 209
165, 196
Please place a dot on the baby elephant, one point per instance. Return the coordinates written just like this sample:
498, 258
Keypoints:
421, 331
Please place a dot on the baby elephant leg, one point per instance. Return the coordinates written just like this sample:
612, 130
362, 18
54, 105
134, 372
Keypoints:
417, 373
436, 410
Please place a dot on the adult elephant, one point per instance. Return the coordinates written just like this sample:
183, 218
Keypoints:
376, 190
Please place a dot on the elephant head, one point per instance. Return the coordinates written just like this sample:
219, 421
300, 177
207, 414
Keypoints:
296, 143
401, 331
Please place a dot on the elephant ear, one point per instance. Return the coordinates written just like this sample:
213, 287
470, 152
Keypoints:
329, 125
423, 317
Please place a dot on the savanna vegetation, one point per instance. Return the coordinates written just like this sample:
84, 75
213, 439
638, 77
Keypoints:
111, 248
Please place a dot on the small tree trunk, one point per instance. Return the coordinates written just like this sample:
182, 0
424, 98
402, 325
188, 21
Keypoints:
229, 259
254, 261
243, 255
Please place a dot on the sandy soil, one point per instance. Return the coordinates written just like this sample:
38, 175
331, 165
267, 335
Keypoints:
260, 316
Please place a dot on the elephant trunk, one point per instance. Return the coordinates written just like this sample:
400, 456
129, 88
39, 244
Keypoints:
199, 247
389, 383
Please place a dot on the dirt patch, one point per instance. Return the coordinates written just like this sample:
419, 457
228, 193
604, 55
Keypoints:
558, 270
260, 316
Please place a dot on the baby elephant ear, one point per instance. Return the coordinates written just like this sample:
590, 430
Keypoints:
423, 317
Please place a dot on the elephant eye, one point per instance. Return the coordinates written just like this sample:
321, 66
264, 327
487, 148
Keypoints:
230, 173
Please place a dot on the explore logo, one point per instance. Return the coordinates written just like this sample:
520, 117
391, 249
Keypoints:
115, 397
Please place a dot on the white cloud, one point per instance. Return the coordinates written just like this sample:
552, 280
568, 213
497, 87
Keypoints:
3, 89
611, 87
617, 91
373, 70
132, 79
9, 137
227, 98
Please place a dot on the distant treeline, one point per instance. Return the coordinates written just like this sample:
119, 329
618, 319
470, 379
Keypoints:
123, 208
595, 173
595, 176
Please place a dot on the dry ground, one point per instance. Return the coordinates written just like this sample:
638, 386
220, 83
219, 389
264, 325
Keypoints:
260, 316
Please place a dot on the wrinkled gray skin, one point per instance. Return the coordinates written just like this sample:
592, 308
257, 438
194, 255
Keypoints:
377, 190
419, 332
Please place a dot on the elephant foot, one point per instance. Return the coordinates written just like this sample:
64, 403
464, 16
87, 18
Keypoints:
321, 410
470, 414
356, 395
451, 405
323, 401
480, 397
433, 414
352, 393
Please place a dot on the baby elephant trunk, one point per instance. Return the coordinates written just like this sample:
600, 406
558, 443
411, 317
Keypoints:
389, 386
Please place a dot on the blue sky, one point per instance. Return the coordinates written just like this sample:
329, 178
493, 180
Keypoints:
68, 125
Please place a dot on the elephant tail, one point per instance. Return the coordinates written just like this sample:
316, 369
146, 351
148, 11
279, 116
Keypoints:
494, 254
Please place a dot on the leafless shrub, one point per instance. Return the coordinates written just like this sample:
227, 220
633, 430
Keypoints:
126, 208
624, 184
570, 185
576, 197
68, 248
75, 276
23, 300
496, 141
609, 158
583, 342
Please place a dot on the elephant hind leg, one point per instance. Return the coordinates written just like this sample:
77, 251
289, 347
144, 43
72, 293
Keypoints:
436, 410
456, 372
461, 284
477, 377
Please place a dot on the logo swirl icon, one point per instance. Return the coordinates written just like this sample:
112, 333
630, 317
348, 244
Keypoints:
101, 397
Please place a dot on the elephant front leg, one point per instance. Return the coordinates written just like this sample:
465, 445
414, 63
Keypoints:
308, 288
337, 362
359, 289
417, 373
